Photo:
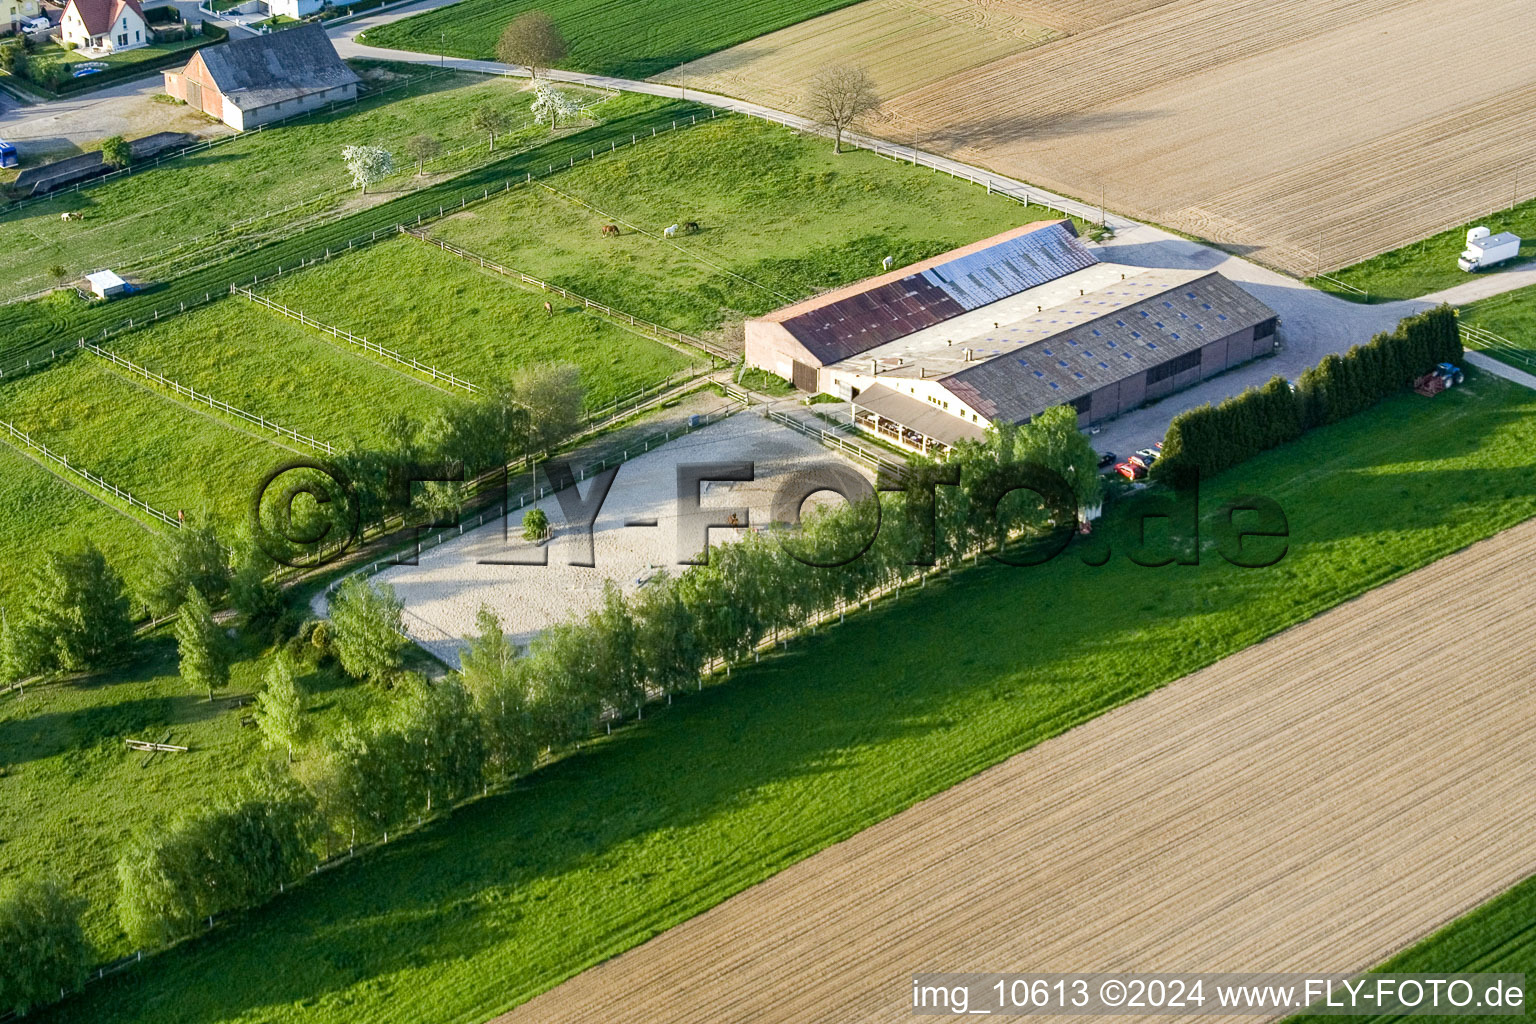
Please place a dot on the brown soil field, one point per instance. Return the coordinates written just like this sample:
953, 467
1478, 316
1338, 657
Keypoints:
1312, 804
1309, 135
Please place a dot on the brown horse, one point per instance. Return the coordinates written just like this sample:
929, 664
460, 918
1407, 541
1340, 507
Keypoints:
610, 229
548, 309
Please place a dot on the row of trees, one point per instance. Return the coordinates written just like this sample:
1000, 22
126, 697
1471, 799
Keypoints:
237, 853
1209, 439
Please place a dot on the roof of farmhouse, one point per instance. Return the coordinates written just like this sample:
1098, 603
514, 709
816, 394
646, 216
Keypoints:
1100, 338
861, 316
258, 71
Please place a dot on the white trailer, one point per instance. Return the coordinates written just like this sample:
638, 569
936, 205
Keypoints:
1485, 249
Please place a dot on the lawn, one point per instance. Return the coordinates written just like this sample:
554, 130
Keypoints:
780, 218
1430, 265
644, 829
261, 361
1512, 316
163, 221
1496, 938
71, 793
627, 38
471, 323
39, 511
173, 456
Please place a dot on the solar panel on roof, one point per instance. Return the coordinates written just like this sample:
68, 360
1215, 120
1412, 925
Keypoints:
1011, 267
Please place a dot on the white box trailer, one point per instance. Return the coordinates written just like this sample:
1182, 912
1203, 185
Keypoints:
1485, 249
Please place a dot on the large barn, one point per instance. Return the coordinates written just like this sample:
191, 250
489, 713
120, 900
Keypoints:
247, 82
1003, 329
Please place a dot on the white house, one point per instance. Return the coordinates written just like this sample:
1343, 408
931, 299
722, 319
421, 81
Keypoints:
13, 11
104, 25
295, 8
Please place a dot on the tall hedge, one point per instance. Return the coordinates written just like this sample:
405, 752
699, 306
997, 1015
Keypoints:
1208, 439
43, 949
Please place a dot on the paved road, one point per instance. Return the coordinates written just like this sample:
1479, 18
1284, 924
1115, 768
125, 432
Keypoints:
66, 126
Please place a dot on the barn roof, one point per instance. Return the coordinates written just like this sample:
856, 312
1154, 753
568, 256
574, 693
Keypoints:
100, 15
1067, 352
862, 316
259, 71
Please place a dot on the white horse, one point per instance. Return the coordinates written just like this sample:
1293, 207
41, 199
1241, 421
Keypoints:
885, 264
669, 232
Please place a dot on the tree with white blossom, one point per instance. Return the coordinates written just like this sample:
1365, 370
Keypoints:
367, 164
553, 106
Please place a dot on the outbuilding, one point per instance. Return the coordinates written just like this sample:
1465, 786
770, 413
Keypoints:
248, 82
106, 284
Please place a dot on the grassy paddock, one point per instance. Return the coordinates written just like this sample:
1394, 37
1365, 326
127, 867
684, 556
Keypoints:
658, 822
261, 361
463, 320
1430, 265
71, 793
628, 38
39, 511
170, 455
780, 218
146, 221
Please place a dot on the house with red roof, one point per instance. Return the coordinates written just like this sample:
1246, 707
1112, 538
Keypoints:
106, 26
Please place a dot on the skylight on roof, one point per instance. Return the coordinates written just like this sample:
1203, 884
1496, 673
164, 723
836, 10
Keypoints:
1103, 366
1221, 316
1151, 344
1054, 385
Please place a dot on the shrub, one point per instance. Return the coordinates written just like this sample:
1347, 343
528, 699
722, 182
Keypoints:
45, 948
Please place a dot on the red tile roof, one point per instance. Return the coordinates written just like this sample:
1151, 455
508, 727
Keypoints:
100, 16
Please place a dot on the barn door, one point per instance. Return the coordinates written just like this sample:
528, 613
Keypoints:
804, 377
194, 94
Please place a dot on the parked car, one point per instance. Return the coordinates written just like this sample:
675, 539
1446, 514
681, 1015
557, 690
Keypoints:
30, 25
1107, 459
1131, 470
1144, 457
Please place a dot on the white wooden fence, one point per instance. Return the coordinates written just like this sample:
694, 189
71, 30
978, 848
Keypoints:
363, 343
199, 398
23, 440
1475, 337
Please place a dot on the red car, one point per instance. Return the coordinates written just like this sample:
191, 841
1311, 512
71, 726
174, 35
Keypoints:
1131, 470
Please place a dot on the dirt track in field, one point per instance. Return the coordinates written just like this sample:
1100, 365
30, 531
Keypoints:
1309, 134
1314, 803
